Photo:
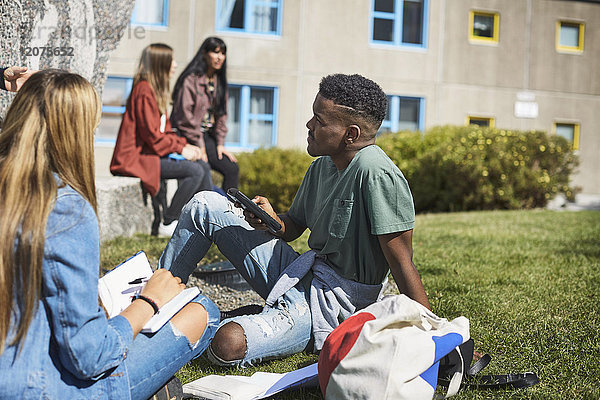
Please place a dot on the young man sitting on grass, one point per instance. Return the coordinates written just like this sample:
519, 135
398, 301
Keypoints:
359, 209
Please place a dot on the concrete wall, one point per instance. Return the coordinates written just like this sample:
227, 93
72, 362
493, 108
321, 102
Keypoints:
486, 79
456, 77
494, 65
565, 72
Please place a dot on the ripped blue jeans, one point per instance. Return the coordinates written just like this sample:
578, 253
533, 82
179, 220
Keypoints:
260, 257
154, 358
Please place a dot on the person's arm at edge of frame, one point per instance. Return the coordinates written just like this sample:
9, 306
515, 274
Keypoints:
398, 251
3, 80
14, 77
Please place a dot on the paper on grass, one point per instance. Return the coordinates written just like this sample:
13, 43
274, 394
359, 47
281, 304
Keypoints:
307, 376
116, 292
228, 387
258, 386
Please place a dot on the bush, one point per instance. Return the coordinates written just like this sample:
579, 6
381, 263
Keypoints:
404, 148
273, 173
450, 168
454, 168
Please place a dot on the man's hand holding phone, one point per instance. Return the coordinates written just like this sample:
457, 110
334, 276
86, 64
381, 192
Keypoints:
258, 212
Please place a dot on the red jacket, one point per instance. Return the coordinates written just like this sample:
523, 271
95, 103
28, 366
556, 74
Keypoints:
140, 142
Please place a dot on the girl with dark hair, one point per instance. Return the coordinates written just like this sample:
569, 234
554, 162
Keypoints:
56, 341
146, 139
200, 108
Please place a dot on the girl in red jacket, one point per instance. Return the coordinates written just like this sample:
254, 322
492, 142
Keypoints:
146, 142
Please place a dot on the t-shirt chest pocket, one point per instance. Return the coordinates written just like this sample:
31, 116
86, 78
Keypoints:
340, 218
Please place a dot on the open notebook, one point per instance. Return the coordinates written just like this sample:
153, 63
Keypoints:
118, 286
258, 386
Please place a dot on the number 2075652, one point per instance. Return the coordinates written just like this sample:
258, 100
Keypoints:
48, 51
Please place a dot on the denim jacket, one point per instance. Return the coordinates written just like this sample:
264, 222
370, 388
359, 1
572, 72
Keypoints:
71, 350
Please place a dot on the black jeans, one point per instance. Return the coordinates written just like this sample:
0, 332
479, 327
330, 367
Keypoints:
192, 177
224, 166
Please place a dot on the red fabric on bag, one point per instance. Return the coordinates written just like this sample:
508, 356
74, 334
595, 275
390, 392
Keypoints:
338, 345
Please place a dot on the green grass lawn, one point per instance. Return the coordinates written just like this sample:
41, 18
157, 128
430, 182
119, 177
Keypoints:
529, 282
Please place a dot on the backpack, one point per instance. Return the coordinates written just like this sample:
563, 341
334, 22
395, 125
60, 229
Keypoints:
397, 349
389, 350
460, 359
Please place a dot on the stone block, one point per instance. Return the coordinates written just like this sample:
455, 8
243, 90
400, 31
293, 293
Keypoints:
84, 32
121, 209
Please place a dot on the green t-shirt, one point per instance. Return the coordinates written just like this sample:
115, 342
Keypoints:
345, 210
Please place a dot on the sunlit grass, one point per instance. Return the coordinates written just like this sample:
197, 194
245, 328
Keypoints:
529, 282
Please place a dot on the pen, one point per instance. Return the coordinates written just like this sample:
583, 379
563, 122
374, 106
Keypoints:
138, 281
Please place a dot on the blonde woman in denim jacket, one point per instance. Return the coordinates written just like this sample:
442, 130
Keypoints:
55, 339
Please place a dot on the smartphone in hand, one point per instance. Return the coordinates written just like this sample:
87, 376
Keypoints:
248, 205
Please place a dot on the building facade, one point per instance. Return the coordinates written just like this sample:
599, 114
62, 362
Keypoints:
518, 64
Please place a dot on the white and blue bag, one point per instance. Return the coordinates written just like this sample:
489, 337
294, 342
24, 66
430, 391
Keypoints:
389, 350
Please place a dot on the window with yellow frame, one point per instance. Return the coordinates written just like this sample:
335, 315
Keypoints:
487, 122
569, 36
484, 26
569, 131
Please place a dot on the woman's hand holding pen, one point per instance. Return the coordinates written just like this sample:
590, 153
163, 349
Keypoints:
162, 287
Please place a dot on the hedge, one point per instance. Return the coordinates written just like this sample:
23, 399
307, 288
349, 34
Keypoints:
461, 168
449, 168
273, 173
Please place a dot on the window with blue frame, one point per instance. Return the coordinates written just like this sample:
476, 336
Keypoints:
114, 97
252, 116
150, 13
399, 22
250, 16
403, 113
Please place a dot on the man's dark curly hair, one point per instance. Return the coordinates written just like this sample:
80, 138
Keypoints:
362, 95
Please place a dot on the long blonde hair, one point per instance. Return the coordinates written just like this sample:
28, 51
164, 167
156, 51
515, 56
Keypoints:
49, 128
154, 68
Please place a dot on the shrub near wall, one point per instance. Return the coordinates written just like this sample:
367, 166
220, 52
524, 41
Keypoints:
454, 168
273, 173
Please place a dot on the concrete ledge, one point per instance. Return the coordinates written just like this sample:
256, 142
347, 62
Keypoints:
583, 201
121, 209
